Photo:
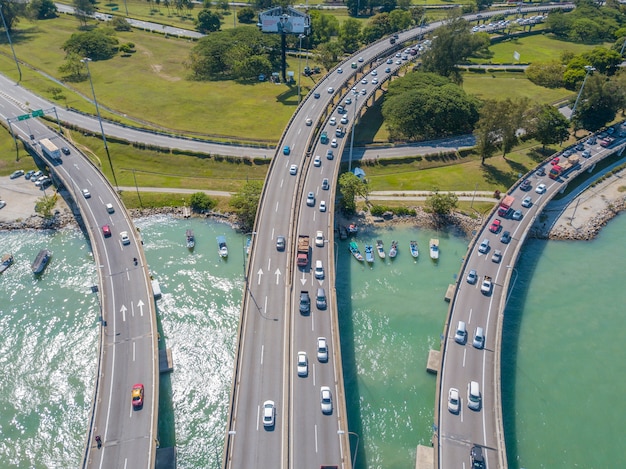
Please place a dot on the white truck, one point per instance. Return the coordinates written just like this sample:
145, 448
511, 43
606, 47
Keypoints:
485, 287
50, 149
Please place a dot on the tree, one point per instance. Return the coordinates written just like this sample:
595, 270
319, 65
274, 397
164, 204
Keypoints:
83, 10
246, 202
548, 125
95, 44
486, 131
120, 24
42, 9
200, 202
399, 20
323, 27
441, 204
599, 103
73, 67
11, 10
45, 205
208, 22
349, 35
549, 75
328, 53
350, 187
246, 15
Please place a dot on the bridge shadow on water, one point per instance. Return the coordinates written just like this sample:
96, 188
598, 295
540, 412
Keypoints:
166, 428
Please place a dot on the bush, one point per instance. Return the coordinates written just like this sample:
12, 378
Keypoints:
200, 202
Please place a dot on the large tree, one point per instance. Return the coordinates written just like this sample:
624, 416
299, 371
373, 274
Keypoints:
83, 10
323, 27
11, 10
350, 187
599, 102
96, 44
42, 9
548, 125
208, 21
349, 35
245, 203
441, 204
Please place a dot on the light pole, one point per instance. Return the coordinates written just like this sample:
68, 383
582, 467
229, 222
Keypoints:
299, 64
589, 69
86, 61
356, 450
19, 70
356, 98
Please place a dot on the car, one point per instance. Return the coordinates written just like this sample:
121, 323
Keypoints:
326, 400
472, 277
329, 154
479, 338
541, 171
330, 90
398, 54
280, 243
388, 70
348, 101
333, 121
2, 204
360, 59
124, 237
567, 153
302, 364
317, 161
42, 180
16, 174
527, 202
495, 226
322, 349
310, 199
65, 150
580, 147
333, 143
586, 154
540, 189
339, 70
319, 239
286, 150
374, 73
484, 246
308, 121
319, 270
398, 62
269, 413
389, 62
29, 174
86, 193
322, 205
363, 91
36, 175
454, 403
340, 109
344, 120
305, 303
506, 237
473, 395
106, 231
405, 57
555, 161
136, 396
476, 458
525, 185
364, 81
460, 336
316, 95
591, 140
517, 215
325, 184
607, 142
497, 256
293, 169
375, 81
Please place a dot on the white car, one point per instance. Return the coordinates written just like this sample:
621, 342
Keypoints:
124, 237
527, 202
454, 403
540, 189
339, 70
308, 121
473, 395
322, 349
293, 169
484, 246
479, 338
319, 239
375, 81
322, 206
317, 161
364, 81
333, 121
344, 120
333, 143
86, 193
472, 277
331, 90
310, 199
268, 413
303, 364
497, 256
2, 204
326, 399
374, 73
319, 270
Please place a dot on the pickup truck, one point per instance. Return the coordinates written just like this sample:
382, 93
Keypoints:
485, 287
305, 302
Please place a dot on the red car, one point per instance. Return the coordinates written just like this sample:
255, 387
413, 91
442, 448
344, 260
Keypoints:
106, 231
555, 161
495, 226
137, 396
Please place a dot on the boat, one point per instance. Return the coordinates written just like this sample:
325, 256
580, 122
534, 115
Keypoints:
369, 253
221, 245
6, 262
434, 248
414, 251
393, 251
41, 261
191, 239
352, 229
354, 249
380, 248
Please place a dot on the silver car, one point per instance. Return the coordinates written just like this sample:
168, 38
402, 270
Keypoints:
322, 349
303, 364
326, 399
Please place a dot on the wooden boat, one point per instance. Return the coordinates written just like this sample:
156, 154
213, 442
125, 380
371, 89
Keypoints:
354, 249
393, 251
6, 262
41, 261
221, 246
191, 239
434, 249
414, 251
369, 253
380, 248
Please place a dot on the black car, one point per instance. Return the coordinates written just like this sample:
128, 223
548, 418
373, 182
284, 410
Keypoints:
506, 237
525, 185
65, 150
476, 456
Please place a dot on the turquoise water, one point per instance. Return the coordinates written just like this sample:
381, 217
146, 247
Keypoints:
563, 355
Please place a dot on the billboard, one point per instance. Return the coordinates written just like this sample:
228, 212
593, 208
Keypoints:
274, 21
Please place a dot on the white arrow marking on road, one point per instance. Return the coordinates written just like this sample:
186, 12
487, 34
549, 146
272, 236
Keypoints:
140, 304
278, 274
260, 274
123, 311
303, 279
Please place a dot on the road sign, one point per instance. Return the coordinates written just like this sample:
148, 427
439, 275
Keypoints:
37, 113
23, 117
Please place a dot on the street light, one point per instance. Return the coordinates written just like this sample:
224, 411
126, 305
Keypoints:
299, 64
356, 450
11, 44
86, 61
356, 98
589, 69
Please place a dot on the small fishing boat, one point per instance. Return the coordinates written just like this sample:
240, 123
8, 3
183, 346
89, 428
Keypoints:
6, 262
434, 249
191, 239
380, 248
352, 229
221, 246
41, 261
393, 251
414, 251
369, 253
354, 249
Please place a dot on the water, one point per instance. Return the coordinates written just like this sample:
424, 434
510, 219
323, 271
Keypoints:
563, 355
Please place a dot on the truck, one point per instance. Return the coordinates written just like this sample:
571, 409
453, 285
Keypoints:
485, 287
49, 149
505, 205
564, 166
305, 302
324, 138
303, 251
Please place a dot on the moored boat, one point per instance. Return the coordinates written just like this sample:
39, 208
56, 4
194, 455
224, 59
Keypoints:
434, 248
369, 253
222, 247
414, 251
191, 239
393, 251
41, 261
6, 262
352, 229
380, 248
354, 249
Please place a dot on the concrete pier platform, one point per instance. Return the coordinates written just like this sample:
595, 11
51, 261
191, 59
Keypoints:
450, 292
434, 361
166, 364
425, 458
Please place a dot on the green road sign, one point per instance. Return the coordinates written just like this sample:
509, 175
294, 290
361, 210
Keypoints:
37, 113
23, 117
